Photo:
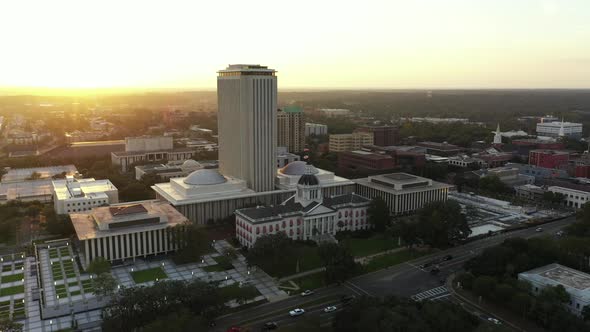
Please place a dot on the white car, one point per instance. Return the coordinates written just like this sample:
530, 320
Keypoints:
296, 312
307, 293
495, 321
330, 308
540, 229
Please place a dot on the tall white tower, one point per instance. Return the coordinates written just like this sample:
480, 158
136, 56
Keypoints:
247, 124
498, 135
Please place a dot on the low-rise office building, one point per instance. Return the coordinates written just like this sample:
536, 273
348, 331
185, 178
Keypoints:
169, 170
549, 158
510, 176
529, 192
126, 231
572, 197
77, 195
148, 148
403, 193
364, 163
315, 129
465, 161
349, 142
576, 284
560, 129
307, 215
441, 149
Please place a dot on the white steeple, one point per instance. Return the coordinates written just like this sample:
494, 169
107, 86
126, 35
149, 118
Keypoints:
498, 135
561, 130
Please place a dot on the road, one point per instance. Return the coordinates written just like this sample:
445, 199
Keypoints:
407, 279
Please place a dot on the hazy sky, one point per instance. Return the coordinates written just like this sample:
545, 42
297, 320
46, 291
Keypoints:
312, 43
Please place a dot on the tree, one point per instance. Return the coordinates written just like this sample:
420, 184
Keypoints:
379, 215
493, 184
338, 261
7, 325
273, 253
484, 286
230, 252
99, 266
104, 284
442, 223
193, 242
586, 313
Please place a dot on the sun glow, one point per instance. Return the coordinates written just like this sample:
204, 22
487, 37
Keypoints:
64, 44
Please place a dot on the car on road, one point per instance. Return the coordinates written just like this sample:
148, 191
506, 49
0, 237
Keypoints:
560, 233
494, 321
270, 326
447, 258
330, 308
539, 229
234, 329
296, 312
435, 270
307, 292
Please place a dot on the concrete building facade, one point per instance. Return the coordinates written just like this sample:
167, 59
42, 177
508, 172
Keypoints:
78, 195
349, 142
247, 124
315, 129
149, 148
403, 193
291, 128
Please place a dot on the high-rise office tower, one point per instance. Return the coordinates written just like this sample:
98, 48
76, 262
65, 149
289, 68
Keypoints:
247, 124
291, 128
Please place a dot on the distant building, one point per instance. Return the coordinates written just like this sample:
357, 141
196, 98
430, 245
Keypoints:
349, 142
383, 135
360, 162
508, 175
540, 173
441, 149
169, 170
32, 184
548, 158
572, 197
406, 158
560, 129
464, 161
307, 215
334, 112
291, 128
149, 149
403, 193
315, 129
78, 195
576, 284
493, 157
172, 117
284, 157
530, 192
127, 231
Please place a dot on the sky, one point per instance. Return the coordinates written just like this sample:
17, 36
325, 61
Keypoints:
173, 44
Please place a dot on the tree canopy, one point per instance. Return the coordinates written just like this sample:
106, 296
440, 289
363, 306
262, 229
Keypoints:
379, 215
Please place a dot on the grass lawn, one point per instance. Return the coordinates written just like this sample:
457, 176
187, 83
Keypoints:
369, 246
6, 268
12, 290
224, 262
12, 277
75, 293
148, 275
307, 257
311, 281
388, 260
213, 268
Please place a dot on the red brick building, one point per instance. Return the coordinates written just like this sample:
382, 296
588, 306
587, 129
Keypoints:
382, 135
364, 163
548, 158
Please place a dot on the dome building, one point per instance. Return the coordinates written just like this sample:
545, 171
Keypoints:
288, 177
307, 215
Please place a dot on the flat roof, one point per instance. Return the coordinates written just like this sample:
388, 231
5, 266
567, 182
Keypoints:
22, 174
133, 153
86, 226
574, 281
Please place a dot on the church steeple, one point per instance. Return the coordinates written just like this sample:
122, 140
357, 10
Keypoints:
498, 135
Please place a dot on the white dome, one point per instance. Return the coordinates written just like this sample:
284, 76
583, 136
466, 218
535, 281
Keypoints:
189, 163
297, 168
204, 177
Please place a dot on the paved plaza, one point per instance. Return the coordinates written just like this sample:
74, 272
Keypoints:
68, 294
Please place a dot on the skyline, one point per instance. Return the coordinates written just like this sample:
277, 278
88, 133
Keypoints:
64, 45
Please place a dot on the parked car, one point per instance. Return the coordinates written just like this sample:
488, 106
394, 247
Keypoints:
560, 233
540, 229
271, 326
330, 308
307, 292
425, 265
234, 329
296, 312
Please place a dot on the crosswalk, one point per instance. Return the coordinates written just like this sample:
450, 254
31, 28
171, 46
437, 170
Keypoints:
432, 294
